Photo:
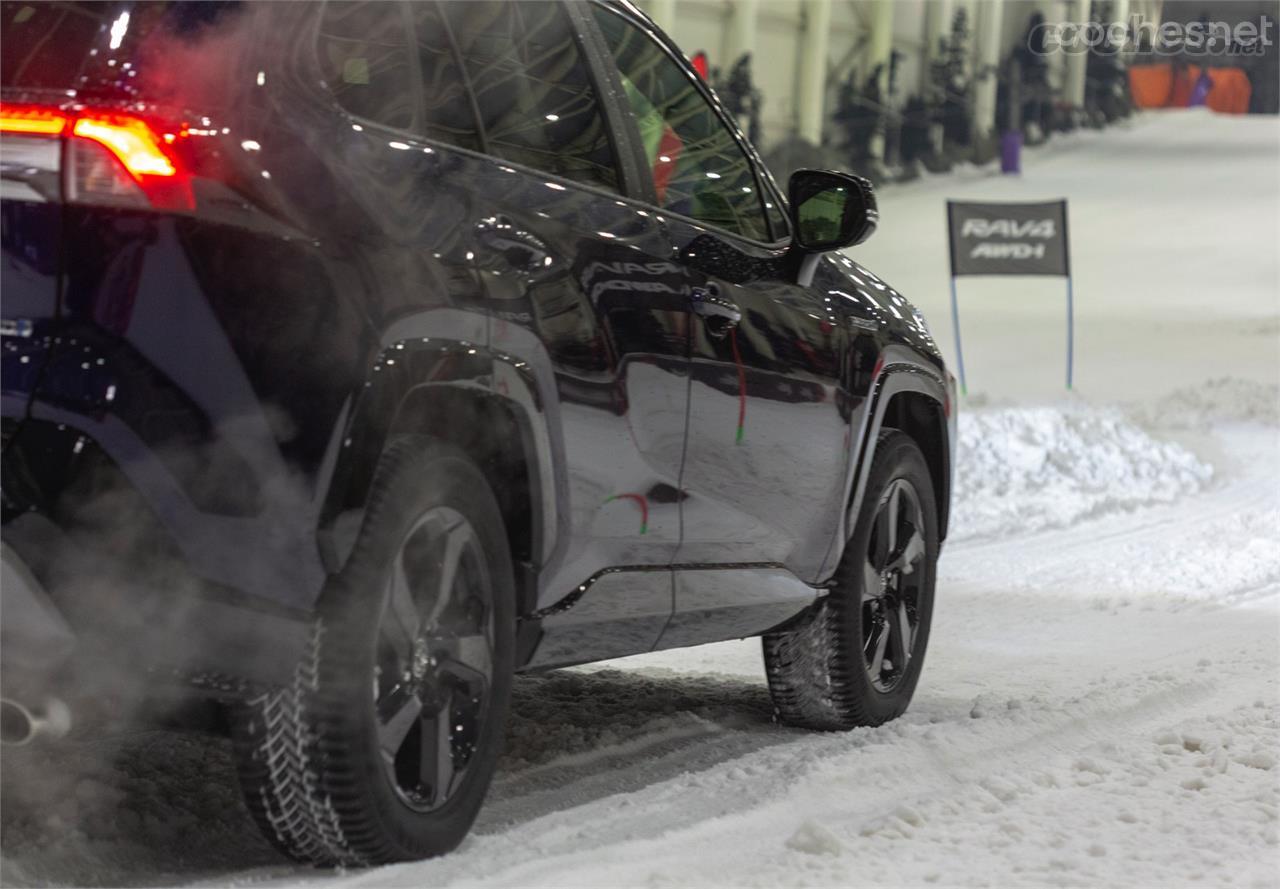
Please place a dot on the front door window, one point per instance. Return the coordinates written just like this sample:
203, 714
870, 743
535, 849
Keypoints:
699, 170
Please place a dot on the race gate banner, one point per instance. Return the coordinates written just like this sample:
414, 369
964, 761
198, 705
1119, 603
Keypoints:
1008, 239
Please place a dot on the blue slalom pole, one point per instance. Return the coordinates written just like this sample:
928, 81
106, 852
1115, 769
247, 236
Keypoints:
955, 324
1070, 329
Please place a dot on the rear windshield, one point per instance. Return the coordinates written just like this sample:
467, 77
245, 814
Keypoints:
105, 47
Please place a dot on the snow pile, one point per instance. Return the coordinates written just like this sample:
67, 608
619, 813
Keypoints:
814, 839
1026, 469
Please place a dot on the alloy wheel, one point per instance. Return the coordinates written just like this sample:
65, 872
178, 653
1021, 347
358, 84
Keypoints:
434, 670
891, 583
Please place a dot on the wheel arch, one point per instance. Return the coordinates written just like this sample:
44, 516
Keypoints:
494, 435
924, 419
446, 389
911, 396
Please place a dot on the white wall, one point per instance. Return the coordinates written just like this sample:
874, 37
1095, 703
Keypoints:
909, 39
702, 25
775, 66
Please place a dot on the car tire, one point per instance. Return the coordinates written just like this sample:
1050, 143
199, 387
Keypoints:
384, 746
835, 669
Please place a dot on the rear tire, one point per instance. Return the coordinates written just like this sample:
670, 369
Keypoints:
383, 748
836, 669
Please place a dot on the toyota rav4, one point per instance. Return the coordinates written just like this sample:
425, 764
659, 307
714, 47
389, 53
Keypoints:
359, 355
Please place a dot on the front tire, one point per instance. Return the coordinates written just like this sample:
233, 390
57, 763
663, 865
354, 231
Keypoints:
854, 660
384, 747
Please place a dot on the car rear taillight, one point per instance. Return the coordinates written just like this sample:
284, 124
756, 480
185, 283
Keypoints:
112, 158
32, 120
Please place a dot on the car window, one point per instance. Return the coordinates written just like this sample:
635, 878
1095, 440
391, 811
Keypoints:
699, 170
367, 61
534, 93
447, 113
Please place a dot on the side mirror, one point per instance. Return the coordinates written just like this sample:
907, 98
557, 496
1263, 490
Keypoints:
831, 210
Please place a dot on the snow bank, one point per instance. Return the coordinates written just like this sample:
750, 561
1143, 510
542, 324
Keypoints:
1026, 469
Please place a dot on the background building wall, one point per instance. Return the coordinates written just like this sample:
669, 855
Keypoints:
778, 37
804, 50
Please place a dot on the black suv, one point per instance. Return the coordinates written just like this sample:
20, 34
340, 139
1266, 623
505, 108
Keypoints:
359, 355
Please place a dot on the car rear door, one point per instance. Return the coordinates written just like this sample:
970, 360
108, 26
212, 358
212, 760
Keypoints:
767, 436
585, 300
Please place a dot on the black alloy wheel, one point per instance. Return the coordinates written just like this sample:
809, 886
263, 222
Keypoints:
434, 669
891, 585
383, 748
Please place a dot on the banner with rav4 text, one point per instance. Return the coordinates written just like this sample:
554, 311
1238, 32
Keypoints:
1008, 238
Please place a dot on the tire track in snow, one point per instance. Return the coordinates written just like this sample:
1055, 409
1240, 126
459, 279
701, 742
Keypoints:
873, 772
1182, 551
1215, 502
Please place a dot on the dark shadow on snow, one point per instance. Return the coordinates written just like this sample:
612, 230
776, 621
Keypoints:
155, 807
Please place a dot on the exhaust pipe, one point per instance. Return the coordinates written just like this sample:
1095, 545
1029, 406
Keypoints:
19, 726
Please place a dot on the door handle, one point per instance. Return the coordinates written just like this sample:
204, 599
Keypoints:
719, 314
523, 250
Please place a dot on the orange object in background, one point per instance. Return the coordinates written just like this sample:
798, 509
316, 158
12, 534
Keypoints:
1158, 86
1151, 86
1231, 91
1184, 84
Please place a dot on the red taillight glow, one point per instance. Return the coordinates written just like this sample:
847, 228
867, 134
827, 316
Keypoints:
31, 120
132, 142
114, 158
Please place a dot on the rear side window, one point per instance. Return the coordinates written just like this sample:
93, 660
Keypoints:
367, 61
532, 88
447, 114
698, 168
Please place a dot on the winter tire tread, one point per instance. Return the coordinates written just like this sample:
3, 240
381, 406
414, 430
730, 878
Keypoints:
304, 778
815, 670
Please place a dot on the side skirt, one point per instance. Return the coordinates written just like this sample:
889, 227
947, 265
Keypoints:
718, 603
630, 611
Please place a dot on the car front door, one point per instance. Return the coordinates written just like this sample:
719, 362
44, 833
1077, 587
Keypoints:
767, 434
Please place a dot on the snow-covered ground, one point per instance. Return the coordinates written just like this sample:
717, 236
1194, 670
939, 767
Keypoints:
1100, 705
